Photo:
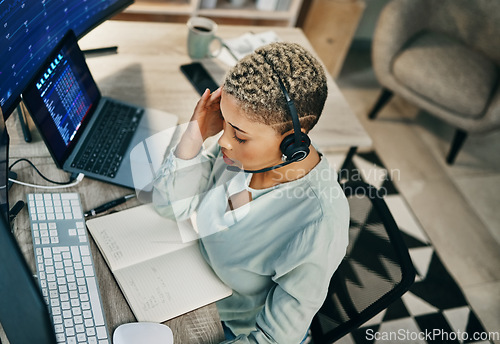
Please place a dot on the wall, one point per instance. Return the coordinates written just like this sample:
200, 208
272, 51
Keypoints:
364, 33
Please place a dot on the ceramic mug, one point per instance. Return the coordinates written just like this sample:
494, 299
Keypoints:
200, 36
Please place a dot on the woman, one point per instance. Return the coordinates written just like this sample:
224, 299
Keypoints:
273, 231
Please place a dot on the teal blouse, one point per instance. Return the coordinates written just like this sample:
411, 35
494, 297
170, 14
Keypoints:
277, 252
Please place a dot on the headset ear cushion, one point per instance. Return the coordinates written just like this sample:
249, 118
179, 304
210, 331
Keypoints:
293, 151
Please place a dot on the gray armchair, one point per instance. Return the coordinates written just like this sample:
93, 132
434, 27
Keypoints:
444, 57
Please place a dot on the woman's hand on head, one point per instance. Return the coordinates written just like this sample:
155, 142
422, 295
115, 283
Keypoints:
207, 113
205, 122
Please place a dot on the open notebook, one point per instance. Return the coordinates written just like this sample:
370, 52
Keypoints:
160, 276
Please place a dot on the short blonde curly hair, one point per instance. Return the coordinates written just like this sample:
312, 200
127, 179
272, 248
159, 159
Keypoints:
253, 82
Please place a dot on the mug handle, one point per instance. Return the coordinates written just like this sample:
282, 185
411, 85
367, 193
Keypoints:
218, 51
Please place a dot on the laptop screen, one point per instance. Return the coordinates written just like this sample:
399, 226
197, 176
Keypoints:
62, 97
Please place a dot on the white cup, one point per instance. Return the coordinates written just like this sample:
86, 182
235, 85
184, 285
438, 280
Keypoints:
200, 36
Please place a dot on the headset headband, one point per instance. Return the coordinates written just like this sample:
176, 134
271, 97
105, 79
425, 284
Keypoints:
289, 102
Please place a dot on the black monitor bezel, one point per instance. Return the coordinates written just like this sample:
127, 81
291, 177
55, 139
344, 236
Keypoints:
4, 182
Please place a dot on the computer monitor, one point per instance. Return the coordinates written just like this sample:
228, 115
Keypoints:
23, 312
29, 30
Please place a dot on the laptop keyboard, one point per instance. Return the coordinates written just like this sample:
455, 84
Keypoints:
104, 148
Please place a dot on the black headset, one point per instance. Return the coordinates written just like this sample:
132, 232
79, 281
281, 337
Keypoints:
294, 147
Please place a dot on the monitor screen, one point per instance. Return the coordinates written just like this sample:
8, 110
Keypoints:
29, 31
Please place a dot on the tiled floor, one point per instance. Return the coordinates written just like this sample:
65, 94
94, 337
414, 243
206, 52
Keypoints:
458, 206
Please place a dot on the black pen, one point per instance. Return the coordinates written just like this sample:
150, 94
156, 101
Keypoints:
109, 205
105, 50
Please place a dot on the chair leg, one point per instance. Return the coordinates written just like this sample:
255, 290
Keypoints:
384, 97
458, 141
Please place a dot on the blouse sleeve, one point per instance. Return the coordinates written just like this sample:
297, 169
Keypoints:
302, 281
179, 184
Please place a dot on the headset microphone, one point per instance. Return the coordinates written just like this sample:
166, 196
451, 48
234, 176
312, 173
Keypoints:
233, 168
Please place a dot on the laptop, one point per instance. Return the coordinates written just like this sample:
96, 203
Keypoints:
84, 131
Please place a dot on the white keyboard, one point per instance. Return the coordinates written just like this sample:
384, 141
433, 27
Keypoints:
65, 268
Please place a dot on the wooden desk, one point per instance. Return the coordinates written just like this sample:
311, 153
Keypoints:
146, 72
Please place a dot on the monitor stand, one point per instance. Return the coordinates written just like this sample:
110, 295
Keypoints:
24, 123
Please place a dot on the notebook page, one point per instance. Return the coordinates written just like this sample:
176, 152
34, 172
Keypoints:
168, 286
135, 235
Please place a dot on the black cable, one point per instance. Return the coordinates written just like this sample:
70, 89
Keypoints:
40, 173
